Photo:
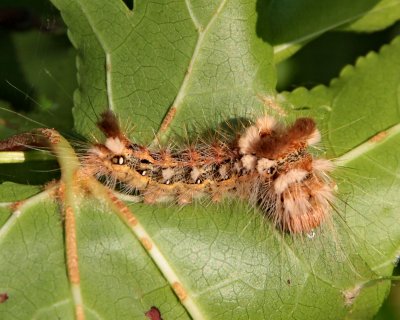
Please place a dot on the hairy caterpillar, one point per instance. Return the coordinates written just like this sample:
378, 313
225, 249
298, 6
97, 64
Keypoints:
268, 165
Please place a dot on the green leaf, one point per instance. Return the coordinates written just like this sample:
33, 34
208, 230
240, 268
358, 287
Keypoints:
309, 66
291, 21
350, 116
11, 192
292, 24
128, 282
33, 263
360, 114
167, 57
382, 15
232, 263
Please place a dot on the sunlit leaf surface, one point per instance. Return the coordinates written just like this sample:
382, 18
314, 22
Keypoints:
161, 67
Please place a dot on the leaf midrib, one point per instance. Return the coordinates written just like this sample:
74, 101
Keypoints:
367, 146
182, 91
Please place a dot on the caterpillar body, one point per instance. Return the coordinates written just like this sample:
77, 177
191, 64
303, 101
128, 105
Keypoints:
269, 165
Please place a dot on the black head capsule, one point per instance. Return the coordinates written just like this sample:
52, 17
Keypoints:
120, 160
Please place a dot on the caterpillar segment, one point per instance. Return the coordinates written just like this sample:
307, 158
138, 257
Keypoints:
269, 165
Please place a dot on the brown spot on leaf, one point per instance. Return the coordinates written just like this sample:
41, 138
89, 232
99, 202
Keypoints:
3, 297
124, 211
79, 313
16, 205
179, 290
147, 243
71, 246
350, 295
153, 314
167, 119
378, 137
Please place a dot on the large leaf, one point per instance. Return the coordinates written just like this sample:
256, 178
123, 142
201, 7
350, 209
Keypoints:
145, 63
232, 263
359, 114
291, 24
383, 14
294, 21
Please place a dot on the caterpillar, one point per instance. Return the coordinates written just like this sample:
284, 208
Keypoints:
268, 165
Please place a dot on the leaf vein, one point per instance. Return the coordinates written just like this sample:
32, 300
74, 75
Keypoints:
183, 88
367, 146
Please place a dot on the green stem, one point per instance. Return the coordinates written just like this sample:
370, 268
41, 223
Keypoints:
25, 156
